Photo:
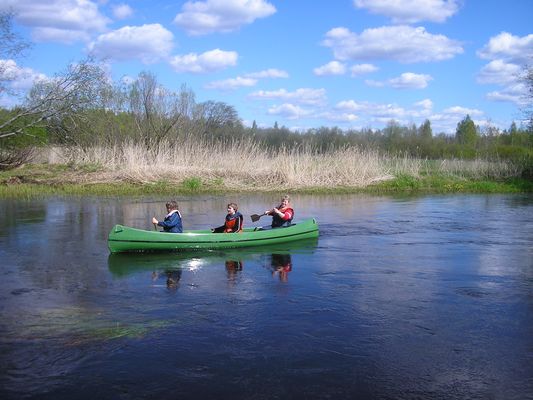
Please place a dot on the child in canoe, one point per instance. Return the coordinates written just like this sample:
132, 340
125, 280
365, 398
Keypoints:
233, 221
172, 222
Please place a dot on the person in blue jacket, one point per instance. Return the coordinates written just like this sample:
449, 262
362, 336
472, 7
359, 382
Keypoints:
172, 222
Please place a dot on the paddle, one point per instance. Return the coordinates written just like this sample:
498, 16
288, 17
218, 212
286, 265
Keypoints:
255, 217
155, 227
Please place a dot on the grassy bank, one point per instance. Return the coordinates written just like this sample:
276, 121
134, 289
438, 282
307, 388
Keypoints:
192, 168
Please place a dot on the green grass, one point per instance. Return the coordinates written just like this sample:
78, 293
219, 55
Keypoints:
404, 184
446, 184
192, 184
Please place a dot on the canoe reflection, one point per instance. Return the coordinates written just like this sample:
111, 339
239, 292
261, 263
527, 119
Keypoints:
170, 266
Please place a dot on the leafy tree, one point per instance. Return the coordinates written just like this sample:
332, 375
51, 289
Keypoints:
466, 132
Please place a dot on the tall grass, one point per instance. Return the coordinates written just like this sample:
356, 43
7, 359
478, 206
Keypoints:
244, 164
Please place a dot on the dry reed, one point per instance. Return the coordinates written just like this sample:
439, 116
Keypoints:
245, 164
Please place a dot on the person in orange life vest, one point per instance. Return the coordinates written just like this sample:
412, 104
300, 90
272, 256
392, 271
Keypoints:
233, 222
233, 268
172, 222
283, 214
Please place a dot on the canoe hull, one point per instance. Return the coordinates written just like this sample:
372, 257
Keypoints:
126, 239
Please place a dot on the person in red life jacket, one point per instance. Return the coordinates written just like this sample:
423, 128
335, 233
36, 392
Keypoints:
233, 222
281, 265
283, 214
172, 222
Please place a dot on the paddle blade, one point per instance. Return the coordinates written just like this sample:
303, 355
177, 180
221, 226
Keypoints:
255, 217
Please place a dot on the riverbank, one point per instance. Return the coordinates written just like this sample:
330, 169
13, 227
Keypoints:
39, 180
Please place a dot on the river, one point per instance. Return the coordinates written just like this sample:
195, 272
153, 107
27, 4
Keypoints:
426, 297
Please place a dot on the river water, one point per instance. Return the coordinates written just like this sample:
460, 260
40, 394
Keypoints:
400, 298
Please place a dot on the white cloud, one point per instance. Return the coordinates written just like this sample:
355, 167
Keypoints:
409, 80
122, 11
425, 104
509, 48
376, 110
351, 105
204, 17
462, 111
268, 73
17, 78
360, 69
339, 117
508, 54
498, 72
513, 93
213, 60
64, 21
331, 68
247, 80
382, 112
148, 43
232, 83
411, 11
289, 111
405, 44
300, 96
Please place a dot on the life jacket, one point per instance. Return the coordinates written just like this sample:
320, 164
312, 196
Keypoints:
233, 223
278, 221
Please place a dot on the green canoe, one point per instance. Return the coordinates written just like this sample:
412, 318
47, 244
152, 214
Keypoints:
123, 238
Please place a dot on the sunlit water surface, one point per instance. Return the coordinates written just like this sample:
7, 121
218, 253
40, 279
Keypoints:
427, 297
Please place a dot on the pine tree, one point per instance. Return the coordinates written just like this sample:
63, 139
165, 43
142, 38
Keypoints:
425, 130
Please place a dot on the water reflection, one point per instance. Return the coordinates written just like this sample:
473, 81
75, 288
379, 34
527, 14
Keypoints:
424, 297
281, 265
170, 266
233, 268
172, 277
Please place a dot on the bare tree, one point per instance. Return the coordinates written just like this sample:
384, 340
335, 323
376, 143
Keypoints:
63, 97
159, 112
527, 78
216, 118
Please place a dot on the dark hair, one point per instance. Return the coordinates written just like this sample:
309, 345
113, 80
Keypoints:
172, 205
233, 205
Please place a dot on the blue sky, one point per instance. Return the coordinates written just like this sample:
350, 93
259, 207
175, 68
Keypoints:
300, 63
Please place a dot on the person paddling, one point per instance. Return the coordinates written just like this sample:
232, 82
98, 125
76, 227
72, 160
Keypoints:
283, 214
172, 222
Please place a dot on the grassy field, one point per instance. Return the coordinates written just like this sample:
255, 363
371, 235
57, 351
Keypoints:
192, 167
